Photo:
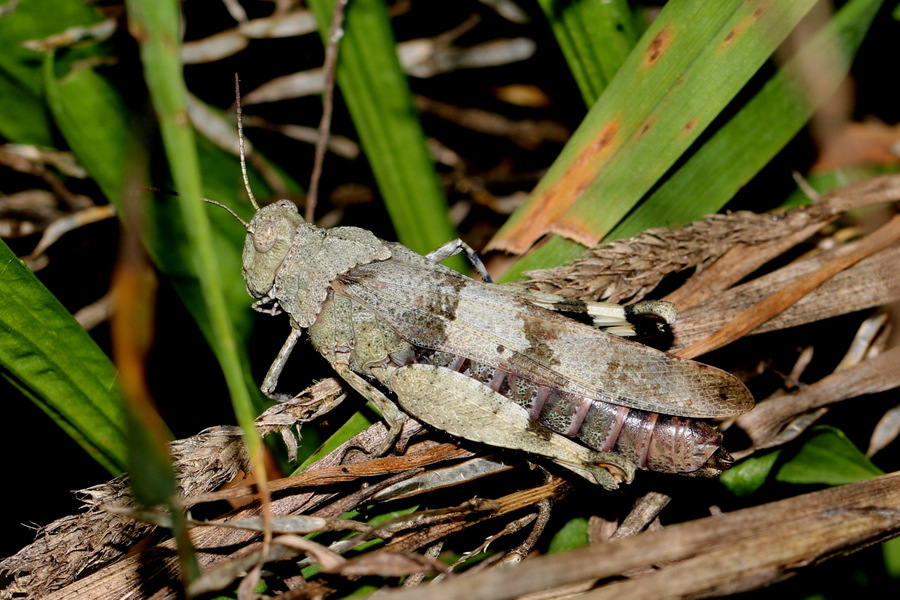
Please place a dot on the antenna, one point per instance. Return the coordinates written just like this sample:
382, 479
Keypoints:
219, 204
233, 214
240, 124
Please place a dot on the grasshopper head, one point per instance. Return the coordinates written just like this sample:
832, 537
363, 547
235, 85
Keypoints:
269, 237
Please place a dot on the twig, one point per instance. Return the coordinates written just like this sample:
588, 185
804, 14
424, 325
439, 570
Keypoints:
728, 553
331, 53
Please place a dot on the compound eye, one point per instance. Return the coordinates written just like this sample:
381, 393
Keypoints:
264, 236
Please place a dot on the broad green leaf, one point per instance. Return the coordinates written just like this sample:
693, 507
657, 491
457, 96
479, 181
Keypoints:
47, 355
29, 20
595, 38
377, 94
683, 72
574, 534
747, 476
827, 457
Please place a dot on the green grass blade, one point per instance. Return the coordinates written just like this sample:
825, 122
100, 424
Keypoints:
95, 122
156, 24
741, 148
354, 425
377, 94
46, 354
681, 75
595, 39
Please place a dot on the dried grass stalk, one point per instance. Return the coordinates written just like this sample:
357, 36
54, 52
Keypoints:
629, 269
723, 554
75, 545
71, 547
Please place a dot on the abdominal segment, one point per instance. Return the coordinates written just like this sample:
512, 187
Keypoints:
652, 441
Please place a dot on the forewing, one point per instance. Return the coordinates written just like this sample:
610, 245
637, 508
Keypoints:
434, 307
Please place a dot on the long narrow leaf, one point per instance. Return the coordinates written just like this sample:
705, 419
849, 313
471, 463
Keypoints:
595, 38
682, 73
157, 24
376, 92
742, 147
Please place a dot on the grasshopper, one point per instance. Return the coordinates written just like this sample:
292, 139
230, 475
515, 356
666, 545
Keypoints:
486, 362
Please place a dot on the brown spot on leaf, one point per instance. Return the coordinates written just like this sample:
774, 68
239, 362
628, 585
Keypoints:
606, 136
689, 126
138, 31
581, 187
658, 46
744, 24
645, 128
552, 201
